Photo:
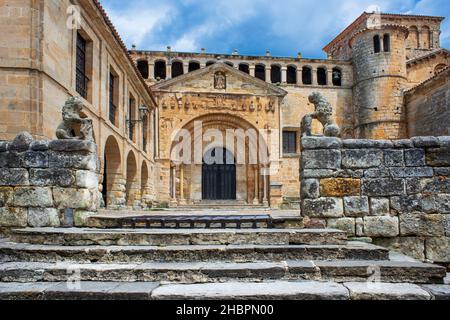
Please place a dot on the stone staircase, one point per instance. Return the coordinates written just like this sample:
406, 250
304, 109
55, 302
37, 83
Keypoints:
207, 264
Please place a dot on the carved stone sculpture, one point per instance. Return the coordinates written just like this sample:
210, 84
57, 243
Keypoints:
71, 119
324, 114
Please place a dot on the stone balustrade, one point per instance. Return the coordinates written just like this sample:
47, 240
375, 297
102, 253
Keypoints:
47, 183
395, 192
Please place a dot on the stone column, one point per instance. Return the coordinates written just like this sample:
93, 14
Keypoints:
169, 70
256, 199
185, 68
182, 199
300, 75
329, 77
252, 70
151, 70
265, 184
268, 74
173, 186
314, 77
283, 74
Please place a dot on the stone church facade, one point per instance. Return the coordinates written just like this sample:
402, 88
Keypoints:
386, 77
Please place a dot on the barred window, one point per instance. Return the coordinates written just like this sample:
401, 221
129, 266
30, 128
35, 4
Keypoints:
289, 142
112, 106
81, 77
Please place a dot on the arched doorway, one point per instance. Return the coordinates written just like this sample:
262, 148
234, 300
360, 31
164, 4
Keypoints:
132, 189
218, 175
112, 175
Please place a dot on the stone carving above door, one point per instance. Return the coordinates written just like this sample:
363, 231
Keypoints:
220, 80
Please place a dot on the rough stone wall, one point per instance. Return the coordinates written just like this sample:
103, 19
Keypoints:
428, 107
47, 183
394, 192
425, 68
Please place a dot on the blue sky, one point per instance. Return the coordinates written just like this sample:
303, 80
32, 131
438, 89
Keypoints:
284, 27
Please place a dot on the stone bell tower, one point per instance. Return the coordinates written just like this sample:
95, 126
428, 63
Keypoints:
379, 59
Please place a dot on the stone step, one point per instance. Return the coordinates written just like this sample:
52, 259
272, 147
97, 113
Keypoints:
204, 272
268, 290
165, 237
10, 251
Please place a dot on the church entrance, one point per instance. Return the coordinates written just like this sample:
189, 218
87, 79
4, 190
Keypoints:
219, 175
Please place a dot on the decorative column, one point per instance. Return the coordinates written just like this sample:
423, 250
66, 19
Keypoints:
169, 70
329, 77
173, 178
314, 77
300, 75
182, 199
252, 70
265, 184
256, 199
268, 74
151, 70
283, 74
185, 68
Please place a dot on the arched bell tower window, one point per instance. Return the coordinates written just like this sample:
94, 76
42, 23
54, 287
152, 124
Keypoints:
387, 42
376, 44
160, 70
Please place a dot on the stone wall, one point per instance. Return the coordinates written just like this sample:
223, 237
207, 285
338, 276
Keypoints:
395, 192
47, 183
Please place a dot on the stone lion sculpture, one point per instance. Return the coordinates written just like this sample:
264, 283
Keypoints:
71, 119
324, 114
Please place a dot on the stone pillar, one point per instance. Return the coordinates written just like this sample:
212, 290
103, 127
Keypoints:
182, 199
268, 74
283, 74
169, 70
151, 70
252, 70
329, 77
300, 75
256, 199
185, 68
314, 77
265, 185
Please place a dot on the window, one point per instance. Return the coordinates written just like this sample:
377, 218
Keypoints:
289, 142
230, 64
160, 70
144, 133
210, 63
291, 75
260, 72
112, 98
275, 74
244, 68
142, 66
322, 76
307, 75
131, 116
81, 77
193, 66
387, 43
376, 44
337, 77
177, 69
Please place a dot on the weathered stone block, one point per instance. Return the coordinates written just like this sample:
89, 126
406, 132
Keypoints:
414, 203
425, 142
74, 198
359, 227
314, 223
52, 177
43, 217
81, 218
323, 208
438, 249
445, 171
14, 177
439, 157
316, 173
73, 145
310, 189
410, 246
344, 224
363, 158
64, 160
367, 144
394, 158
321, 159
377, 173
40, 145
13, 217
411, 172
403, 144
6, 196
87, 179
414, 157
340, 187
21, 142
444, 141
35, 159
447, 225
321, 143
33, 197
379, 206
428, 185
381, 226
356, 206
383, 187
422, 224
3, 146
442, 203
